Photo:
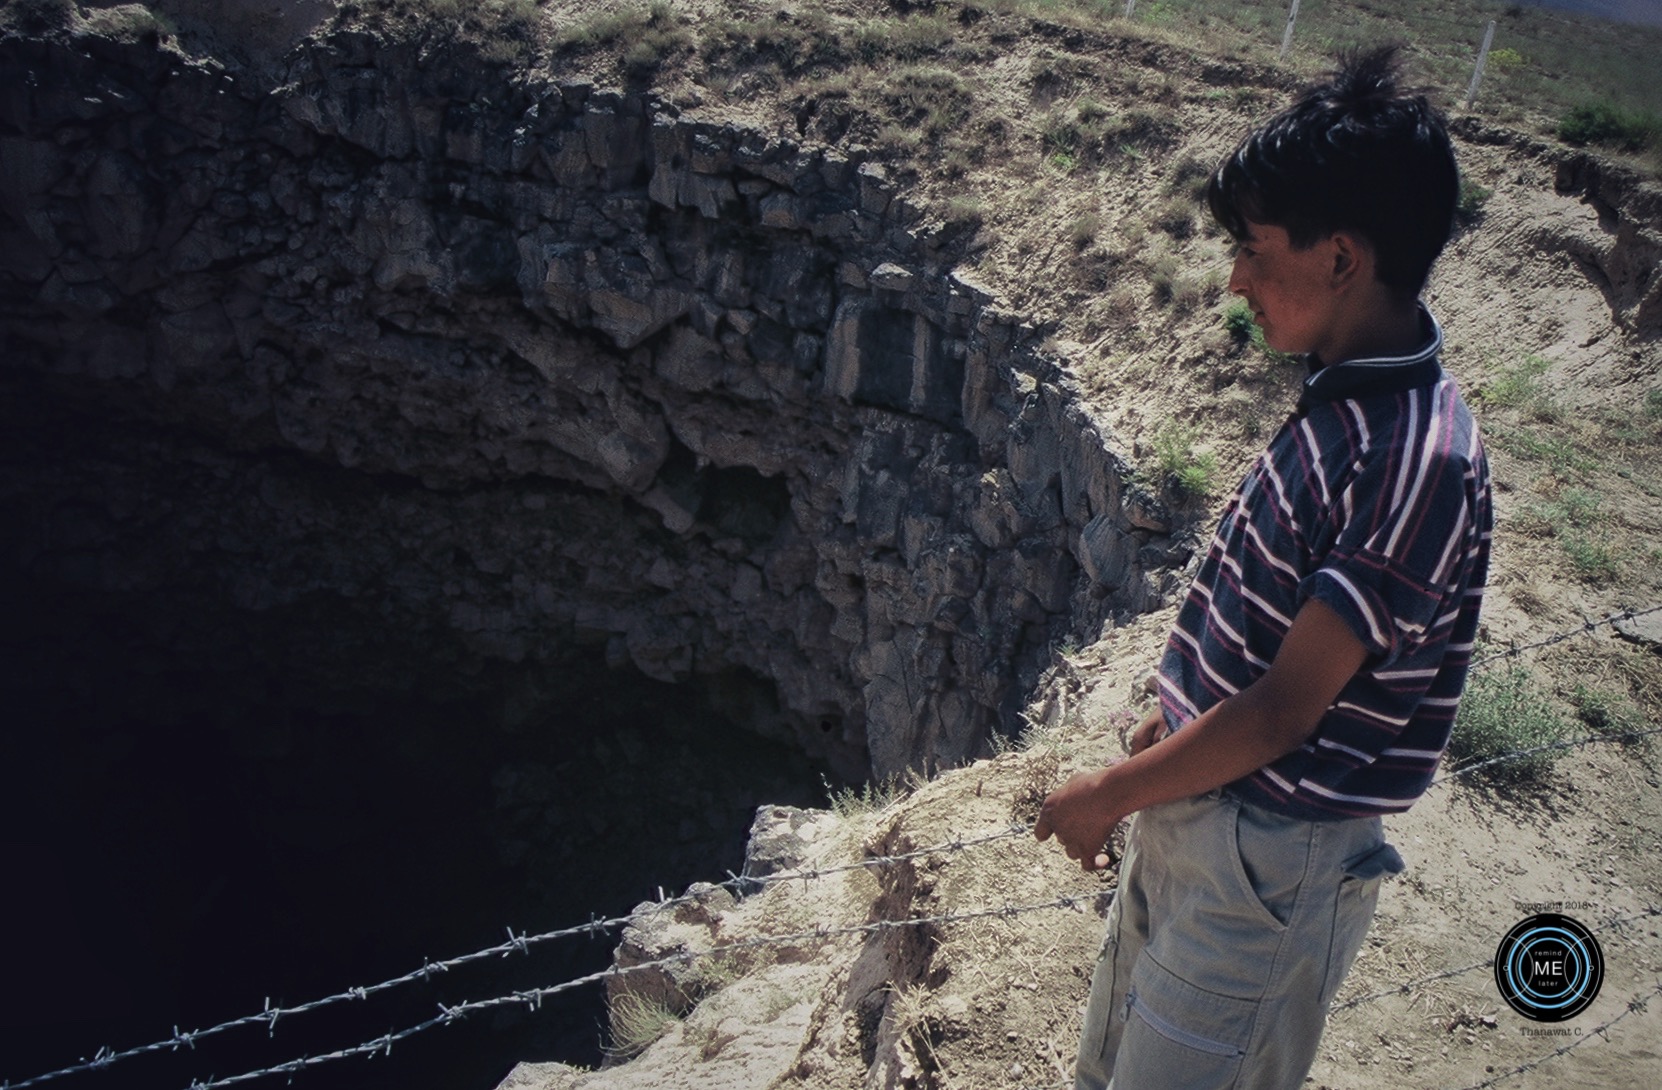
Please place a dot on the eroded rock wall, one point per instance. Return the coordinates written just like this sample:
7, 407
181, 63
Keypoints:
418, 367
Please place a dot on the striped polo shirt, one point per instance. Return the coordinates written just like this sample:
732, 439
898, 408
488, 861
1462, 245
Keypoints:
1374, 498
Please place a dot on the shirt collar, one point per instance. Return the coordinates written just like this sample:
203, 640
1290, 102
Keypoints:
1375, 375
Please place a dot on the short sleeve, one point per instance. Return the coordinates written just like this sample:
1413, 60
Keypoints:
1393, 572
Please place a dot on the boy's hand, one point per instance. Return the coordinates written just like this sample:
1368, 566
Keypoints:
1148, 732
1081, 816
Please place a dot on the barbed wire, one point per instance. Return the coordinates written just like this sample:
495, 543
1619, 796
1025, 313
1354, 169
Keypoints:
1586, 628
1414, 985
1409, 987
1639, 1002
521, 943
740, 885
533, 997
1594, 739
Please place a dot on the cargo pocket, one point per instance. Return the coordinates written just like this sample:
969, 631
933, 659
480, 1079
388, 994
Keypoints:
1179, 1035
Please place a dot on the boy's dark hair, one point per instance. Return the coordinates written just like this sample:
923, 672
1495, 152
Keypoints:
1357, 153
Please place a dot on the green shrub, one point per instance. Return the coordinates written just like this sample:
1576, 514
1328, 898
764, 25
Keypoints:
603, 28
1516, 386
1176, 217
1573, 519
1577, 507
658, 36
1611, 125
933, 99
965, 209
1162, 276
906, 39
1562, 456
1502, 712
1189, 176
1190, 472
636, 1023
1468, 209
1190, 291
1145, 125
868, 798
794, 42
1592, 559
1520, 387
1084, 229
1608, 712
903, 139
1088, 130
1238, 321
1071, 130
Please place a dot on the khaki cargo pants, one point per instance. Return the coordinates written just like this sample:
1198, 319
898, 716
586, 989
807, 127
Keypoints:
1230, 932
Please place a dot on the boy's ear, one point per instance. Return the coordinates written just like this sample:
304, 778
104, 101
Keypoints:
1352, 259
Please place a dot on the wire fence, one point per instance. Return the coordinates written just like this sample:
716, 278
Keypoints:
1587, 628
744, 885
1637, 1004
532, 997
1411, 986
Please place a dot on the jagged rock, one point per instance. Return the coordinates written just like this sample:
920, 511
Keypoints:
660, 936
766, 430
1644, 630
780, 838
542, 1076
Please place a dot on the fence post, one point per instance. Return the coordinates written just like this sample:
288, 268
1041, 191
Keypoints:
1482, 56
1287, 38
1129, 6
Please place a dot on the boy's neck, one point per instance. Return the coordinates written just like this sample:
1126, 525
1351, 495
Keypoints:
1385, 325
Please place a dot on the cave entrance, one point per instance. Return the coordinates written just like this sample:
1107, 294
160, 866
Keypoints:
179, 871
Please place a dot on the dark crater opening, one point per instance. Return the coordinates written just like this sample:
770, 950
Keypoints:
188, 836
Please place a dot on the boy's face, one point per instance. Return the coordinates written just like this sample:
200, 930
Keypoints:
1291, 292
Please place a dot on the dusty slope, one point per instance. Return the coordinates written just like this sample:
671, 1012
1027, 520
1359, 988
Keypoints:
1072, 205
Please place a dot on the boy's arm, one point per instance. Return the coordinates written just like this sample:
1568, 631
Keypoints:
1268, 719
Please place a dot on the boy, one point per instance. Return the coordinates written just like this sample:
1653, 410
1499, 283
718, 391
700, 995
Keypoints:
1310, 681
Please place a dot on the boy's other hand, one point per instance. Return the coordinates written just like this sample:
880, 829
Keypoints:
1148, 732
1081, 818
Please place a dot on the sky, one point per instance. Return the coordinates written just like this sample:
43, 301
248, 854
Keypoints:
1648, 12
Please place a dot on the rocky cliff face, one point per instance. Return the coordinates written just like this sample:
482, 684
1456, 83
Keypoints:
415, 371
